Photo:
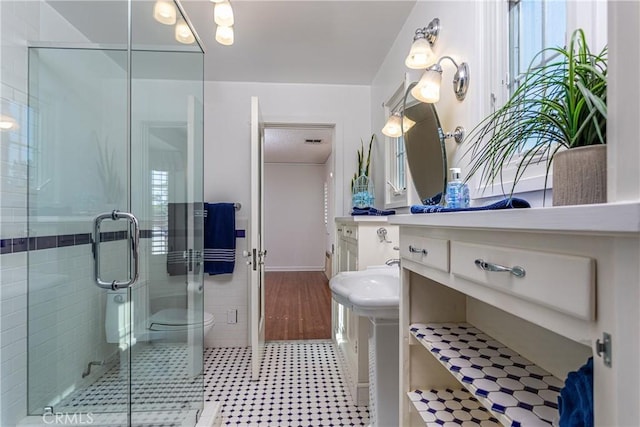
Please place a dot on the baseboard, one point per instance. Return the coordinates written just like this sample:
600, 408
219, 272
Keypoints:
296, 268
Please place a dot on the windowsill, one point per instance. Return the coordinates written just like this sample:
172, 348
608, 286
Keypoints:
534, 180
587, 219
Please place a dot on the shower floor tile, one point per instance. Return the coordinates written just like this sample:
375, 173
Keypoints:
301, 384
162, 390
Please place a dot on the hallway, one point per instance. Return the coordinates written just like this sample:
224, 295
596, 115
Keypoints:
298, 306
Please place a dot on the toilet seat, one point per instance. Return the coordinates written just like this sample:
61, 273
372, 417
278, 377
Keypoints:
175, 319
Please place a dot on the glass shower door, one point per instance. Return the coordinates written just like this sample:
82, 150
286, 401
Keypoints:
79, 335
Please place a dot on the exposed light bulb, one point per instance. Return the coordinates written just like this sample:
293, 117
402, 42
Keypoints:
224, 35
164, 11
223, 14
183, 33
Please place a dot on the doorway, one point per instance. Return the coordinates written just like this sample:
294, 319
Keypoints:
298, 197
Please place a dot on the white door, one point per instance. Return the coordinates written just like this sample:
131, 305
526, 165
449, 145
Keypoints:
258, 253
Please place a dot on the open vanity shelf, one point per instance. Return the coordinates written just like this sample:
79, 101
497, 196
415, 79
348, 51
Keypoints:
454, 407
506, 304
516, 391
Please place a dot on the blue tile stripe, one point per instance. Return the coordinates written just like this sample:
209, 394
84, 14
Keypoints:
23, 244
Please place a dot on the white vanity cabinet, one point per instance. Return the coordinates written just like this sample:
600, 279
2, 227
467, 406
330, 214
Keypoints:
358, 246
497, 307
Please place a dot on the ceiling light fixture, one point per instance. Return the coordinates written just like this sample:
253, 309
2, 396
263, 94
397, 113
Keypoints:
8, 123
428, 88
224, 35
396, 125
164, 11
223, 14
183, 33
421, 55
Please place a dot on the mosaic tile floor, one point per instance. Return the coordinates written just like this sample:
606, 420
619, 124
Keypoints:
162, 391
300, 384
517, 391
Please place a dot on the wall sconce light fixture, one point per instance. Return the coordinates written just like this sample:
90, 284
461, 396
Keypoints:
428, 88
421, 55
396, 124
164, 11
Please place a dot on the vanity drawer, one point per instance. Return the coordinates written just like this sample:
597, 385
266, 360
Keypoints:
427, 251
562, 282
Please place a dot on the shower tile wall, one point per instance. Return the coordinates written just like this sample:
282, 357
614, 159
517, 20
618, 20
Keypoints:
20, 22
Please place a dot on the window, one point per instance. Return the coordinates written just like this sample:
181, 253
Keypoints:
397, 185
533, 25
159, 212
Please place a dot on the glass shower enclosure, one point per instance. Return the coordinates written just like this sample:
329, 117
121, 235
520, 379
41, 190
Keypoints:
115, 288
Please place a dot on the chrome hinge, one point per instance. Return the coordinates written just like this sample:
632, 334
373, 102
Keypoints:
603, 348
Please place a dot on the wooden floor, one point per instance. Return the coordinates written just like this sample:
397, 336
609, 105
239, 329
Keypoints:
297, 305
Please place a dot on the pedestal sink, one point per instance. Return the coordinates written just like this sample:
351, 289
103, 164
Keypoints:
375, 293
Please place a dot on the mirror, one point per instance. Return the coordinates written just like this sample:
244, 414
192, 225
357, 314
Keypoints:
424, 144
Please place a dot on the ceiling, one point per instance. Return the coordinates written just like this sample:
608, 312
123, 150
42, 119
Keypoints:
314, 42
293, 41
292, 145
328, 41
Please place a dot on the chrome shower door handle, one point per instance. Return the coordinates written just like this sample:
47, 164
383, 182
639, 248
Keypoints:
134, 230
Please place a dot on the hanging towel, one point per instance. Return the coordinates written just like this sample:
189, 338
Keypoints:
512, 203
371, 211
575, 403
219, 238
176, 239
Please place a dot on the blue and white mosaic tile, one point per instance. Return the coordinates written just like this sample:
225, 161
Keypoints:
301, 384
451, 408
516, 391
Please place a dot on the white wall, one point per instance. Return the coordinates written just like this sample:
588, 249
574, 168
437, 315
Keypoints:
227, 165
294, 217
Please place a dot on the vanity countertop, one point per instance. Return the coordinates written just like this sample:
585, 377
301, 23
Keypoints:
607, 218
364, 218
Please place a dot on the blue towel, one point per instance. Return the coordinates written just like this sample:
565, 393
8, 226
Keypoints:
502, 204
575, 402
219, 238
371, 211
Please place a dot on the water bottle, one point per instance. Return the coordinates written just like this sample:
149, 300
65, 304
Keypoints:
457, 191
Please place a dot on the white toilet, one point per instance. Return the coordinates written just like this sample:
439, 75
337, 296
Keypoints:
169, 324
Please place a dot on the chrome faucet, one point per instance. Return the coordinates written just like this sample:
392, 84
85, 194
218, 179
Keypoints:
392, 261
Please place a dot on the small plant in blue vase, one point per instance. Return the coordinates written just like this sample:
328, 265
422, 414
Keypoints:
361, 184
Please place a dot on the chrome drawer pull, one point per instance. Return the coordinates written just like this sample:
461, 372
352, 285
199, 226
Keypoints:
487, 266
415, 250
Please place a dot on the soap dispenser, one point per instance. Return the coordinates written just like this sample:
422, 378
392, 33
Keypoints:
457, 191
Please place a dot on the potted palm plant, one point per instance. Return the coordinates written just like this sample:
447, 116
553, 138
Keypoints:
557, 113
